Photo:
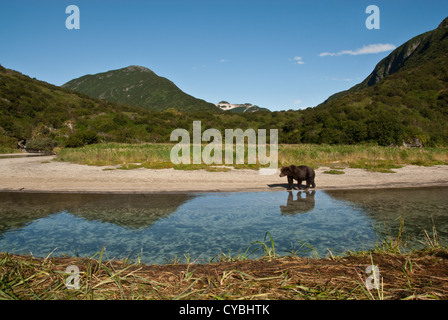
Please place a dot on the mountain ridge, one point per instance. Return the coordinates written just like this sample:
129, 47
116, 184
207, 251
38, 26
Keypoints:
405, 98
396, 60
138, 86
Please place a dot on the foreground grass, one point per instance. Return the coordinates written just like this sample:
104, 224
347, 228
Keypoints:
403, 274
157, 156
419, 275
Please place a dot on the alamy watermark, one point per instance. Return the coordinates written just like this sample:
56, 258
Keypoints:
73, 20
373, 281
212, 153
373, 21
72, 281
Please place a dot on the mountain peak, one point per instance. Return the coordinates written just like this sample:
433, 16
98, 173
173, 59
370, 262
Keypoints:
412, 53
138, 86
443, 24
137, 68
239, 108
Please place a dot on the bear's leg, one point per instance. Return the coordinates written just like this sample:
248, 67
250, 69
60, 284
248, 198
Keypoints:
290, 182
309, 182
299, 184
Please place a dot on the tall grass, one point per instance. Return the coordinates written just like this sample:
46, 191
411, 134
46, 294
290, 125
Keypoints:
361, 156
115, 154
156, 156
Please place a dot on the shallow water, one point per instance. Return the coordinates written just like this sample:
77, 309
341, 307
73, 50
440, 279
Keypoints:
163, 228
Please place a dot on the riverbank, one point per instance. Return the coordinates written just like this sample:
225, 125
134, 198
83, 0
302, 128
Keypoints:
42, 174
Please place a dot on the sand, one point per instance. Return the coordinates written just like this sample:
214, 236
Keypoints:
41, 174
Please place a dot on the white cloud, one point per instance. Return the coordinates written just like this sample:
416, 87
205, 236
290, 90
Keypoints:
341, 79
369, 49
223, 60
298, 60
297, 102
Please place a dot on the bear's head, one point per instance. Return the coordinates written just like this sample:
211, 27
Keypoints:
285, 171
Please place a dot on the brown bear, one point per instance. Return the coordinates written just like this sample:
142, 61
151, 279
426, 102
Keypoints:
299, 173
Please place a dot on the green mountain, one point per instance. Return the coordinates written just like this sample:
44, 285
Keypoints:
138, 86
48, 116
421, 52
405, 98
38, 111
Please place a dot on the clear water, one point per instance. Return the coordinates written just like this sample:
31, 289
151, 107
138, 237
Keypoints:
161, 228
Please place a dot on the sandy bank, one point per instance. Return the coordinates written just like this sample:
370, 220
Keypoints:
40, 174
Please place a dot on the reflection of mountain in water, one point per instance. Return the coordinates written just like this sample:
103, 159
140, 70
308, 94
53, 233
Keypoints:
128, 210
421, 208
303, 203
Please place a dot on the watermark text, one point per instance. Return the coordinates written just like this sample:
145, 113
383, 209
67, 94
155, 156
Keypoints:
212, 153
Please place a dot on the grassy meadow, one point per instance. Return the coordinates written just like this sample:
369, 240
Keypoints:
157, 156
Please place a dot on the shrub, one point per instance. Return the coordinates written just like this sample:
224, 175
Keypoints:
41, 145
81, 138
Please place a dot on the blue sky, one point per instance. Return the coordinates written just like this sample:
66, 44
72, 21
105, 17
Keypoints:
278, 54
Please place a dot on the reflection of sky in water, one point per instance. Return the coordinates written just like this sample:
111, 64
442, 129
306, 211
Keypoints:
204, 227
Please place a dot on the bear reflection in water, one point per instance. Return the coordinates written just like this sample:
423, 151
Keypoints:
303, 203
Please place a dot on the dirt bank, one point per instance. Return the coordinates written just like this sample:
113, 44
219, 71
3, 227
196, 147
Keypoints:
34, 174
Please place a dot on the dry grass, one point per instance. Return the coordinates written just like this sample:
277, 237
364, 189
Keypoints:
419, 275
